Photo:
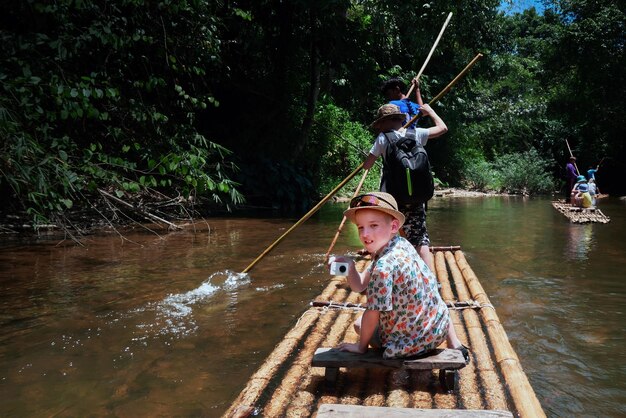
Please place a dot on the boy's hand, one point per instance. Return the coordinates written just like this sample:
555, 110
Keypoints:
426, 109
341, 259
351, 348
416, 83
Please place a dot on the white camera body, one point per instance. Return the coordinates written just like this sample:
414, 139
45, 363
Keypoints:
339, 269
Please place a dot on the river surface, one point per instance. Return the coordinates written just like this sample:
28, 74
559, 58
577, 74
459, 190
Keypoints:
165, 326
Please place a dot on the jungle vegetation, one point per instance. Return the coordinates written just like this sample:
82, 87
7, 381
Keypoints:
268, 102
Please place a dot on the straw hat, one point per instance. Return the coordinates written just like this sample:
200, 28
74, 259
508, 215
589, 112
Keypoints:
380, 201
387, 111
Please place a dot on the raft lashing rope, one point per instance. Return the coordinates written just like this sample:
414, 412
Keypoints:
466, 304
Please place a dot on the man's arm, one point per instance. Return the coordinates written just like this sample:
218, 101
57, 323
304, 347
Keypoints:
440, 127
418, 94
369, 161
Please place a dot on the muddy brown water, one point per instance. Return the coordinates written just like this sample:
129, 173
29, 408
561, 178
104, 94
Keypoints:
169, 328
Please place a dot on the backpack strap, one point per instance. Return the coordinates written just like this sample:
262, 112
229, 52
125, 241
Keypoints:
392, 138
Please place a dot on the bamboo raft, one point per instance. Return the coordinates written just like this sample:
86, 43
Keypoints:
493, 384
580, 215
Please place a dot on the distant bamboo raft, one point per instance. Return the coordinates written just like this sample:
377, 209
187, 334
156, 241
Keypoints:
581, 215
287, 386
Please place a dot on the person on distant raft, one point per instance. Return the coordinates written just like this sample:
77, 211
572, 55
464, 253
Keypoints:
582, 198
593, 191
591, 173
404, 315
390, 118
579, 181
393, 90
570, 176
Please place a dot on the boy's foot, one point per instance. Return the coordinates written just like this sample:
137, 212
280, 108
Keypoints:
465, 351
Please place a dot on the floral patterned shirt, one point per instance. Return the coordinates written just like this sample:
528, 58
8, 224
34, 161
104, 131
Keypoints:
413, 317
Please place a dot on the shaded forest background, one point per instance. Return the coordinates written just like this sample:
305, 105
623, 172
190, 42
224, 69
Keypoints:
267, 103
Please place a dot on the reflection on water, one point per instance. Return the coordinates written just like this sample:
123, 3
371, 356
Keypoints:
171, 329
579, 242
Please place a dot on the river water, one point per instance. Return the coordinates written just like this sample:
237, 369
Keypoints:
165, 326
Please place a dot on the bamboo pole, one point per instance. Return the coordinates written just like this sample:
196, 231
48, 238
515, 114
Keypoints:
356, 306
305, 217
445, 248
448, 87
343, 221
522, 393
443, 28
572, 155
482, 366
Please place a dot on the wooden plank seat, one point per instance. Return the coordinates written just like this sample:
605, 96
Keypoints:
447, 361
358, 411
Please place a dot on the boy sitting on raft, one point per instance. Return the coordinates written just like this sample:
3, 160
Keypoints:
404, 314
583, 198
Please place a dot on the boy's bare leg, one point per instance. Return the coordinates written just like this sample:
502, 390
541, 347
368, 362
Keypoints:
375, 341
453, 342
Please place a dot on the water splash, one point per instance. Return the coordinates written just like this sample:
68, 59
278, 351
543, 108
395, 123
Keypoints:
174, 314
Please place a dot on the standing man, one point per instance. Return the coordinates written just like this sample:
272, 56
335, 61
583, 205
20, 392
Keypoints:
393, 90
570, 176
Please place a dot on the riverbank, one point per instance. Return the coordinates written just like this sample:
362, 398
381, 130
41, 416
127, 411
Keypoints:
111, 214
447, 192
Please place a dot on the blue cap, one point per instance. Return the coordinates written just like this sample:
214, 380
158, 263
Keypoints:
580, 178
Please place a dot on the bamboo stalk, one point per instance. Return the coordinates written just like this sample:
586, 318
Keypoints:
443, 28
443, 278
572, 155
445, 248
522, 393
480, 373
457, 78
305, 217
345, 305
448, 87
343, 221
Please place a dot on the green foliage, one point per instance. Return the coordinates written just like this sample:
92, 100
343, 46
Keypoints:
478, 174
524, 173
585, 72
126, 95
520, 172
337, 148
101, 95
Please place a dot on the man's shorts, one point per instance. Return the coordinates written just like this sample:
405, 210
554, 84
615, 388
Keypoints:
414, 227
